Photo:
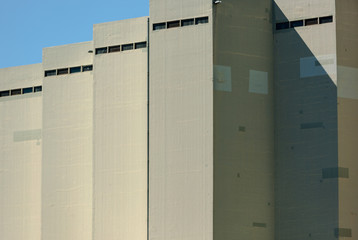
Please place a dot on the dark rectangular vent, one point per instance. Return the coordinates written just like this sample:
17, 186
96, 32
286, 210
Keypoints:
173, 24
187, 22
282, 25
338, 172
27, 90
16, 91
311, 21
159, 26
101, 50
201, 20
4, 93
262, 225
62, 71
50, 73
140, 45
112, 49
343, 232
295, 24
312, 125
327, 19
38, 89
75, 69
87, 68
127, 47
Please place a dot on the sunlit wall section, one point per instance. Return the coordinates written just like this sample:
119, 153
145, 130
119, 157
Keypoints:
20, 152
120, 130
67, 148
181, 120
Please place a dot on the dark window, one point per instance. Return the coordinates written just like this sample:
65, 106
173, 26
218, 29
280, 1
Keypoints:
101, 50
158, 26
201, 20
4, 93
38, 89
27, 90
282, 25
311, 21
298, 23
16, 91
327, 19
75, 69
87, 68
50, 73
62, 71
127, 47
173, 24
114, 48
141, 45
187, 22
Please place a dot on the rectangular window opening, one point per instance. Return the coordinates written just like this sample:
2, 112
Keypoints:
327, 19
187, 22
50, 73
38, 89
282, 25
127, 47
101, 50
311, 21
298, 23
140, 45
201, 20
5, 93
87, 68
159, 26
112, 49
62, 71
75, 69
27, 90
16, 91
173, 24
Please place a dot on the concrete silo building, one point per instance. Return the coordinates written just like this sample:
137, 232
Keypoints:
232, 119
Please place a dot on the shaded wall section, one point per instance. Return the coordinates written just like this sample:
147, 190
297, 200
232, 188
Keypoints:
243, 120
306, 164
347, 65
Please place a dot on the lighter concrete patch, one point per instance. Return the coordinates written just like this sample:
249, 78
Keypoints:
222, 78
347, 82
258, 82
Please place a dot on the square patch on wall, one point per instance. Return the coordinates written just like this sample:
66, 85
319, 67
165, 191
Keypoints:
222, 78
258, 82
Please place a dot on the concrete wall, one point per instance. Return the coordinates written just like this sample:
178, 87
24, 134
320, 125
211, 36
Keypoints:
120, 132
347, 64
181, 123
20, 154
67, 148
306, 193
243, 120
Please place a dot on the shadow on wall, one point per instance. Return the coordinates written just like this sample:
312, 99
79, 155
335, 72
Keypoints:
306, 138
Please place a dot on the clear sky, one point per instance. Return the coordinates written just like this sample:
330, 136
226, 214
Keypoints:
27, 26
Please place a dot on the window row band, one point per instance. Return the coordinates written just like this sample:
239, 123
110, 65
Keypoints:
303, 22
119, 48
180, 23
71, 70
20, 91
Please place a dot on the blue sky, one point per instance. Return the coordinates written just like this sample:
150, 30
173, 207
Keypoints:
28, 26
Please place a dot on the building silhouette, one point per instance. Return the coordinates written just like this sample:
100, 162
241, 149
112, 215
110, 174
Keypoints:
232, 119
